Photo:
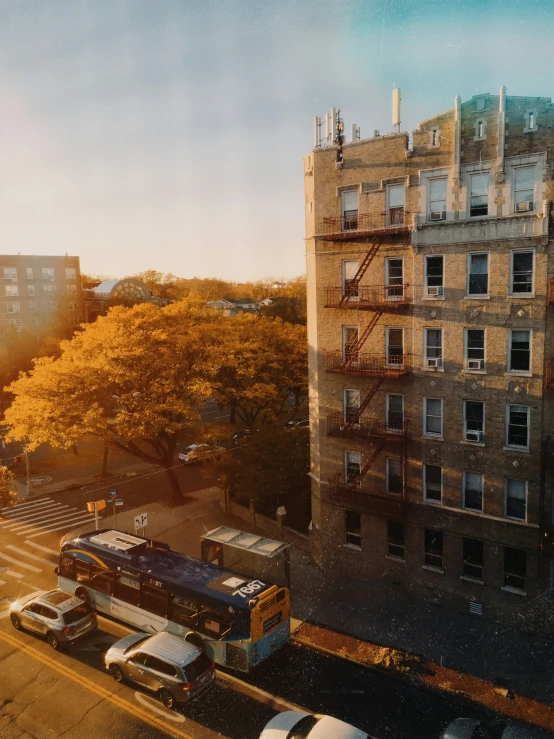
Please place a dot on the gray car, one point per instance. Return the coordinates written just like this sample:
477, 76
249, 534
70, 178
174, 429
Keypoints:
165, 664
471, 728
60, 616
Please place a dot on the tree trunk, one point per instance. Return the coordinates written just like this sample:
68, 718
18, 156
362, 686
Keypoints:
177, 495
75, 449
105, 460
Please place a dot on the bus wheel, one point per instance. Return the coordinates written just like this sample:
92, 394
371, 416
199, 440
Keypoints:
195, 640
82, 593
166, 698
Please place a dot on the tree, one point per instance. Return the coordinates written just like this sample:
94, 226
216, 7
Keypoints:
132, 378
262, 362
8, 491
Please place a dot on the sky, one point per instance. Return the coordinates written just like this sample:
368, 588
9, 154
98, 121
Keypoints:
169, 134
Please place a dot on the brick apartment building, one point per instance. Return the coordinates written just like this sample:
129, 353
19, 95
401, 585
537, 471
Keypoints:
430, 324
35, 290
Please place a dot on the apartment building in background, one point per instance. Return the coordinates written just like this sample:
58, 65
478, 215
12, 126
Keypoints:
430, 281
35, 290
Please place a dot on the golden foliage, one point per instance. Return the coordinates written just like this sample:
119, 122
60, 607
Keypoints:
8, 491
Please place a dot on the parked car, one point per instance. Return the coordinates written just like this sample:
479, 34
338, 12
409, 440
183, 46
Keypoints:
198, 452
60, 616
300, 725
471, 728
239, 437
174, 669
295, 422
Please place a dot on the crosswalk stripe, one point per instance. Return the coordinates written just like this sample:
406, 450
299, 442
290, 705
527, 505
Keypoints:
6, 517
29, 555
20, 564
11, 573
66, 526
42, 549
37, 524
16, 520
2, 582
39, 501
40, 519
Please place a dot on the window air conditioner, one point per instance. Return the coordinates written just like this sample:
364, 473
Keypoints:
475, 364
437, 215
433, 292
524, 206
434, 362
474, 436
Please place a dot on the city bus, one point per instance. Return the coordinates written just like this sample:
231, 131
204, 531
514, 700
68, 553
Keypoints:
239, 622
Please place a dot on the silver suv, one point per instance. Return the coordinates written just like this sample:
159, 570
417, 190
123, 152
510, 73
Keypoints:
164, 663
60, 616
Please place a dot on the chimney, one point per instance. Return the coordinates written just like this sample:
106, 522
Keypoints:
396, 109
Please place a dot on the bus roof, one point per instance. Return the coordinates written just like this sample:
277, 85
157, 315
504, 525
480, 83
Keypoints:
118, 548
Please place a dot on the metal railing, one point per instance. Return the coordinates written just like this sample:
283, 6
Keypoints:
367, 223
354, 426
356, 296
367, 500
386, 365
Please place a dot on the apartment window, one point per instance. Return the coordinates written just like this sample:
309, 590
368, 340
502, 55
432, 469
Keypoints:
70, 273
521, 278
433, 347
13, 307
32, 306
30, 290
350, 343
437, 199
433, 416
395, 412
12, 291
479, 194
47, 273
393, 476
432, 483
396, 539
395, 211
71, 289
394, 279
395, 347
474, 421
519, 357
473, 491
353, 529
29, 273
10, 273
515, 568
349, 282
350, 210
478, 274
434, 136
518, 426
434, 276
475, 348
49, 289
353, 466
352, 406
50, 304
516, 499
473, 559
524, 186
433, 548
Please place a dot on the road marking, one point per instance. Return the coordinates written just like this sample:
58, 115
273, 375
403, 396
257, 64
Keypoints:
279, 704
16, 521
113, 698
11, 573
2, 582
42, 549
39, 501
21, 564
59, 514
149, 703
15, 513
65, 526
66, 518
28, 554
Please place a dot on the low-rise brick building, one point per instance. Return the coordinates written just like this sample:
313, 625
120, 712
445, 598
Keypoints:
430, 325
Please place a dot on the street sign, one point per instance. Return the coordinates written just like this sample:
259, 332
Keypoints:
113, 493
118, 502
141, 521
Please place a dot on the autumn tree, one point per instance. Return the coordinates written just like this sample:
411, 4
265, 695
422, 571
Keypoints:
8, 491
132, 378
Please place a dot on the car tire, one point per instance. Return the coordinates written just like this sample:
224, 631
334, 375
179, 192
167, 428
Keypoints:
16, 622
166, 698
116, 673
53, 640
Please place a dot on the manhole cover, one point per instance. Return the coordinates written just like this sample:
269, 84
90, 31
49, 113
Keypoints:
7, 599
40, 480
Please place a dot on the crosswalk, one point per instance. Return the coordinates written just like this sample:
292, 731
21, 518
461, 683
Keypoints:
41, 516
20, 563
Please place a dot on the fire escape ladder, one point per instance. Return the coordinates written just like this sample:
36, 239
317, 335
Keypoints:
376, 453
366, 395
351, 286
354, 349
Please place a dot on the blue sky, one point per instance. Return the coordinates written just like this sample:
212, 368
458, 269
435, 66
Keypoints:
169, 134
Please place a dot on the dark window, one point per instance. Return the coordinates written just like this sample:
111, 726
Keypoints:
434, 269
77, 613
395, 278
473, 558
475, 420
153, 600
395, 411
522, 272
353, 528
197, 668
127, 589
478, 274
433, 416
183, 611
82, 571
515, 568
433, 482
473, 491
479, 197
516, 499
102, 579
518, 426
395, 346
433, 347
160, 665
303, 728
520, 351
433, 548
214, 623
476, 348
353, 467
67, 567
140, 658
396, 539
394, 475
49, 613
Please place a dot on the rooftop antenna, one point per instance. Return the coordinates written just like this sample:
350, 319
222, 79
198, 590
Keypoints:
338, 128
396, 109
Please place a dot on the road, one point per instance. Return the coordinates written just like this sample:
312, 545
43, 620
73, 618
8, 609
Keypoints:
69, 694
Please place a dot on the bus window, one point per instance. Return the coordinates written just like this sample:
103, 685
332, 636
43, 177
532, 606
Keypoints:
214, 623
183, 611
127, 588
153, 600
66, 567
82, 570
101, 579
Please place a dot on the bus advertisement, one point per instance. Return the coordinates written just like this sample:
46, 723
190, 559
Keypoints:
239, 622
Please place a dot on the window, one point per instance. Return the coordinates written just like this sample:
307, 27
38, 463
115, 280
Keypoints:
50, 304
48, 273
396, 539
479, 195
153, 599
524, 186
140, 658
478, 274
67, 567
30, 290
518, 426
474, 421
127, 588
473, 491
349, 283
432, 483
434, 276
394, 279
29, 273
519, 358
183, 611
433, 348
353, 529
522, 273
350, 210
480, 128
515, 568
350, 343
81, 571
393, 476
433, 416
352, 467
433, 548
49, 289
10, 273
352, 406
395, 412
437, 199
12, 291
32, 305
71, 289
13, 307
475, 348
516, 499
395, 210
161, 666
102, 579
70, 273
434, 136
472, 559
395, 347
214, 623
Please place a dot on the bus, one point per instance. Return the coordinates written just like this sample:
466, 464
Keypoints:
237, 621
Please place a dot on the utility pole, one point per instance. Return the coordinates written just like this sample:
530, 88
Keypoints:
28, 468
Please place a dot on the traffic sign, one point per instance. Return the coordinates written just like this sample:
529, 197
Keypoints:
118, 502
113, 493
141, 521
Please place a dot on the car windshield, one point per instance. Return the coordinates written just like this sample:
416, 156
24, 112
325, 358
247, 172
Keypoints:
77, 613
197, 668
136, 643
